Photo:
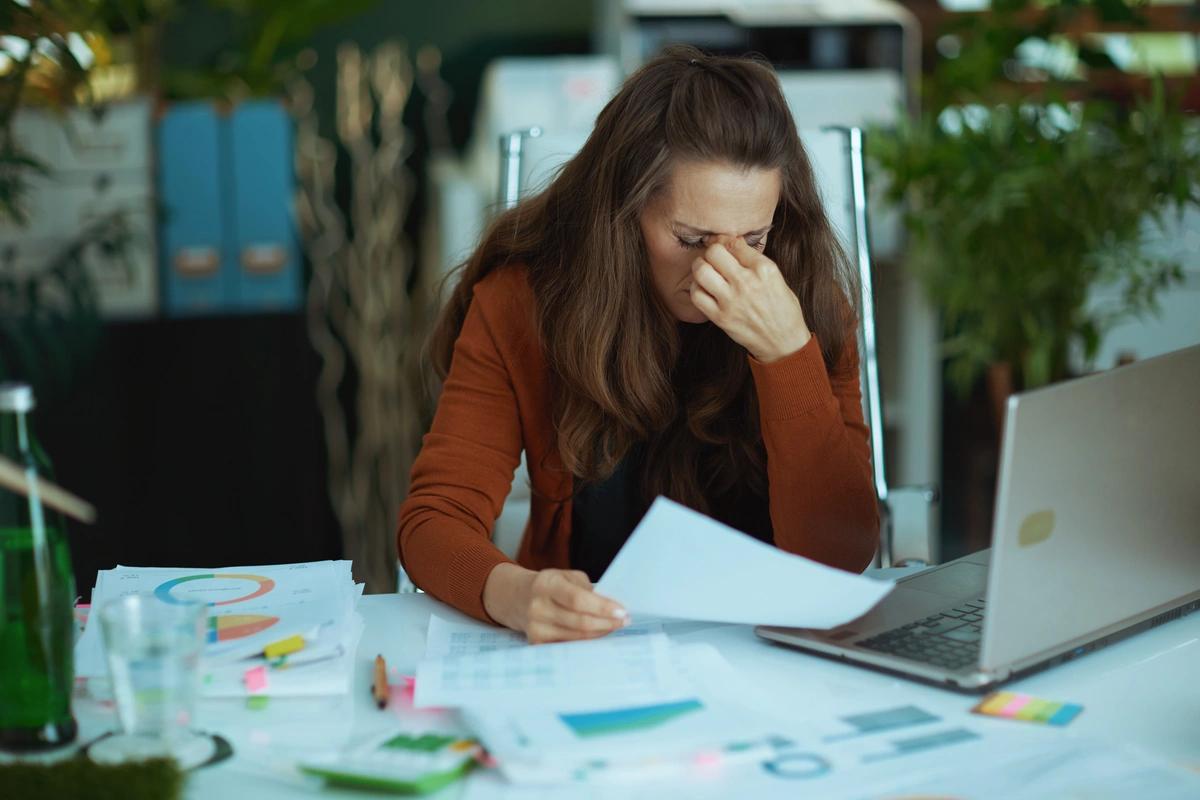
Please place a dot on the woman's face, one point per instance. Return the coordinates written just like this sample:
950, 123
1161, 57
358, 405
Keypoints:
703, 203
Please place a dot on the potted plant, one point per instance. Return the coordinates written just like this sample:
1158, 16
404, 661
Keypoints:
1021, 197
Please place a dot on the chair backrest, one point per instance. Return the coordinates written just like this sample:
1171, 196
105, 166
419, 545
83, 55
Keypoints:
531, 158
836, 154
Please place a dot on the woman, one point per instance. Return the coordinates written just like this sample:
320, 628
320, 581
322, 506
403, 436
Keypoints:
670, 316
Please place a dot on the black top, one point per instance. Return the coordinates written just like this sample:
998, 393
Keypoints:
604, 514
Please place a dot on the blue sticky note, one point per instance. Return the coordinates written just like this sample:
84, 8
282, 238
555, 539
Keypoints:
1068, 712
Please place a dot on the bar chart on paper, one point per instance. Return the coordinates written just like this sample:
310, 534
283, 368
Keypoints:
237, 626
897, 732
624, 720
898, 748
889, 719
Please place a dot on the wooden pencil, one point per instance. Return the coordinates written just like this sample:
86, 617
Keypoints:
379, 686
13, 477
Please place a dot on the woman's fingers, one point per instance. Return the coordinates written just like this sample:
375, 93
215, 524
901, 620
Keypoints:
563, 607
707, 278
572, 596
577, 577
584, 623
748, 257
547, 609
725, 261
543, 631
546, 632
705, 302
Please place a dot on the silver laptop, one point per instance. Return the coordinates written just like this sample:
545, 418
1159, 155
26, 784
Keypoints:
1096, 536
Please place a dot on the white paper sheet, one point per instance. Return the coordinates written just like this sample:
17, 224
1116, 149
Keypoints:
633, 740
1066, 768
679, 563
885, 747
570, 676
448, 637
316, 599
994, 767
327, 670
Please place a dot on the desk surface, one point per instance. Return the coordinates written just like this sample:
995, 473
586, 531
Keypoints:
1142, 691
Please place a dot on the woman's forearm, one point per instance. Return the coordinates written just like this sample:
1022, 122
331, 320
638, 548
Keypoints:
822, 498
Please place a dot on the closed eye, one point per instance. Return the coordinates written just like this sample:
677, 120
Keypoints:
690, 244
695, 244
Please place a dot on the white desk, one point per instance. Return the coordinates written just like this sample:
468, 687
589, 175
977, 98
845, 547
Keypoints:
1144, 691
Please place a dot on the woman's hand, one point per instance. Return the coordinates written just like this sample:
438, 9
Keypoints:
743, 292
549, 605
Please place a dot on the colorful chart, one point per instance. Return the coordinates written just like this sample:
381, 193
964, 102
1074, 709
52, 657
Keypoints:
917, 744
624, 720
797, 766
236, 626
889, 719
165, 589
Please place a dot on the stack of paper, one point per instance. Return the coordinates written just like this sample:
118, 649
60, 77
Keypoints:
699, 721
306, 611
629, 704
632, 702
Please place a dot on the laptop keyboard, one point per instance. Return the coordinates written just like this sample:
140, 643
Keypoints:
949, 639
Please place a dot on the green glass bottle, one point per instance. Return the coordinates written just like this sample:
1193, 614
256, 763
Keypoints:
37, 591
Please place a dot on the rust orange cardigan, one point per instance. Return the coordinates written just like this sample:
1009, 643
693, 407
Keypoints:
496, 401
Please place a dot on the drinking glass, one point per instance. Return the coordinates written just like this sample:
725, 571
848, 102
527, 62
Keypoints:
153, 650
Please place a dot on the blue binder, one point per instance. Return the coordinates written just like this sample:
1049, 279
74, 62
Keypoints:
197, 273
260, 214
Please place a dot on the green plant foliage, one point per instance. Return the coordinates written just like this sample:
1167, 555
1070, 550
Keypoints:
1018, 205
49, 320
35, 36
264, 36
17, 168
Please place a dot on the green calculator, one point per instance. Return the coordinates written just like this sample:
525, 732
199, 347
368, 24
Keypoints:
405, 763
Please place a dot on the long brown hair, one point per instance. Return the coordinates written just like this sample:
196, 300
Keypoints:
624, 371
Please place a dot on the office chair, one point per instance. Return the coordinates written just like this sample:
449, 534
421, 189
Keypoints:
908, 530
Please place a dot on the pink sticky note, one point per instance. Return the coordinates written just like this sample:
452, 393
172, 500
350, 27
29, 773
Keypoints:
1018, 702
256, 680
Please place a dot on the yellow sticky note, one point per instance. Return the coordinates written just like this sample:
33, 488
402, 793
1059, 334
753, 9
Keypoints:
284, 646
993, 704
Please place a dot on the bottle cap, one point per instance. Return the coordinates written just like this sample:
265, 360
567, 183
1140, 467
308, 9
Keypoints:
16, 397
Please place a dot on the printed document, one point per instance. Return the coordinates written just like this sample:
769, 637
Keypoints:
680, 563
567, 676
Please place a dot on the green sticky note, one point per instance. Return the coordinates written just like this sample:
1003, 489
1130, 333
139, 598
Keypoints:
256, 702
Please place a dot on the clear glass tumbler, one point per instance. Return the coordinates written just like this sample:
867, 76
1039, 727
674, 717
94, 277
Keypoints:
153, 651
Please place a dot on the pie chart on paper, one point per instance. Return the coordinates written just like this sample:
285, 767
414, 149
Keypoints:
236, 626
214, 589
